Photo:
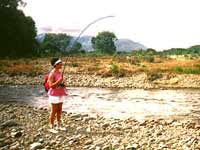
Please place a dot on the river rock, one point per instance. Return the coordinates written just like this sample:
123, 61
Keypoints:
36, 146
16, 134
9, 123
88, 142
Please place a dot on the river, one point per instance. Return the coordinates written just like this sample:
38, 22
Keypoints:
114, 103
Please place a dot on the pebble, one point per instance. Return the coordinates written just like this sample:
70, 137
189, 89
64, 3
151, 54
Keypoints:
9, 123
16, 134
36, 146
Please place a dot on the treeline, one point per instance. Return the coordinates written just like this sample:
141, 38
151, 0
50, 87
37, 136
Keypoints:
17, 32
51, 44
194, 50
102, 44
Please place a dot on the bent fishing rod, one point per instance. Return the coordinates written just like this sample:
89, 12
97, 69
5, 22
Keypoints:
82, 31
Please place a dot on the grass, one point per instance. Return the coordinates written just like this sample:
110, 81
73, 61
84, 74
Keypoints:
188, 70
117, 65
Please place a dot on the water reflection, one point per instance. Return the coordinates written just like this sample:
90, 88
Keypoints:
114, 103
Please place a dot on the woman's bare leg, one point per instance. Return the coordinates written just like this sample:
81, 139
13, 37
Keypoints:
59, 112
52, 114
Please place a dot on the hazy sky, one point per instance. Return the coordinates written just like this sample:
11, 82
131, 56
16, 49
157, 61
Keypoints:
158, 24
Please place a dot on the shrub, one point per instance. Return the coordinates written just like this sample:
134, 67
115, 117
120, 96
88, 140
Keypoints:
136, 60
75, 64
149, 58
116, 71
192, 71
178, 69
187, 70
197, 65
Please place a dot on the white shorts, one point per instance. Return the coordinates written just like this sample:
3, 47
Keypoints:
56, 99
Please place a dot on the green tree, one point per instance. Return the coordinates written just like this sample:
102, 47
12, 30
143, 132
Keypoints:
76, 48
104, 42
11, 3
194, 49
55, 43
151, 51
18, 32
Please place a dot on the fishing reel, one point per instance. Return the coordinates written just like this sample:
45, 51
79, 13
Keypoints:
62, 85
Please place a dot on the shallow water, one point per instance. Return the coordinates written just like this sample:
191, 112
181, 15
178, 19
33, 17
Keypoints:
115, 103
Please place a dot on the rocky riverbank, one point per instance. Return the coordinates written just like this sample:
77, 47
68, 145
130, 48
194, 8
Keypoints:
26, 127
137, 80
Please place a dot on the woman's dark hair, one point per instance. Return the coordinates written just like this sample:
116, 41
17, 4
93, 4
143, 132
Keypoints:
53, 60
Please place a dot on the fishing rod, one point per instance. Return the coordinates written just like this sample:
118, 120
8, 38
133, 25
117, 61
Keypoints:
82, 31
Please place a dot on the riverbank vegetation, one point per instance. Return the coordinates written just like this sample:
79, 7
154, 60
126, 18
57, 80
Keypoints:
105, 65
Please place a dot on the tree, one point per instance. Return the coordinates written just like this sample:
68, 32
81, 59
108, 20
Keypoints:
55, 43
194, 49
104, 42
11, 3
151, 51
18, 32
76, 48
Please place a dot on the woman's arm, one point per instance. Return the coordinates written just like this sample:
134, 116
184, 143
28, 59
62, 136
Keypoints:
52, 83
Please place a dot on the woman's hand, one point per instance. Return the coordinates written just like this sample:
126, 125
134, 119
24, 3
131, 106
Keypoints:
62, 84
58, 82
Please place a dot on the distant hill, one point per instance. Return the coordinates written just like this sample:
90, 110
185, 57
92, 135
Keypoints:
121, 44
128, 45
86, 43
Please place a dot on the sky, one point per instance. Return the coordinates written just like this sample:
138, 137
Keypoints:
157, 24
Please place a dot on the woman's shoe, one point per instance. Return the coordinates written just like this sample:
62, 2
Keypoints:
60, 128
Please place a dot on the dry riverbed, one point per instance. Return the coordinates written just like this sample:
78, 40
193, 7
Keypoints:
26, 127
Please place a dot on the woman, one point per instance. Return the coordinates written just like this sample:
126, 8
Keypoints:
56, 92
